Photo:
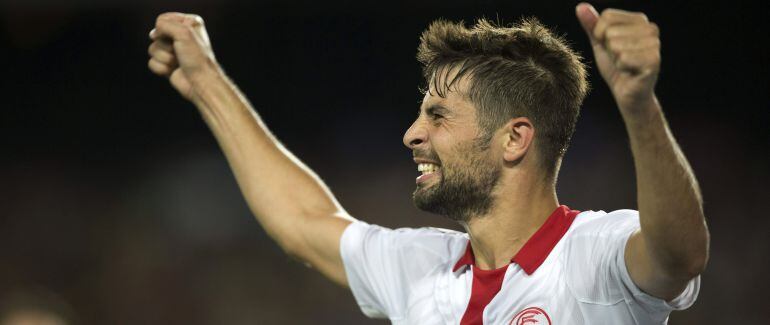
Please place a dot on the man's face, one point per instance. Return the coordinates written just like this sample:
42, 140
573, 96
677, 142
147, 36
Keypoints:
458, 171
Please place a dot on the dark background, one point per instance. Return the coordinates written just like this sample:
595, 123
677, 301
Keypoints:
115, 199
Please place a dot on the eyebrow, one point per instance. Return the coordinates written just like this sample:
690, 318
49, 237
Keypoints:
436, 109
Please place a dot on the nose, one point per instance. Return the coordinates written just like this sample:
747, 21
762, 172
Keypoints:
415, 135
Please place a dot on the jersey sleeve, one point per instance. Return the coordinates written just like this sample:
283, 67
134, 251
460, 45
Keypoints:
382, 264
597, 273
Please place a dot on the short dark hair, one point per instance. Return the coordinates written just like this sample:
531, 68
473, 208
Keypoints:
520, 70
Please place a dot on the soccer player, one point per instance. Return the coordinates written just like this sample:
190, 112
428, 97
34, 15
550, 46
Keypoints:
497, 116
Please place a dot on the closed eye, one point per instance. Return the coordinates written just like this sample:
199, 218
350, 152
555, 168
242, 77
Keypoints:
435, 112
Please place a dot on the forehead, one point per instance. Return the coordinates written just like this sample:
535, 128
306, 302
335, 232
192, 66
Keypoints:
454, 98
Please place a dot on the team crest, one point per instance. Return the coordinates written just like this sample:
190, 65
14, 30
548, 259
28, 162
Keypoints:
531, 316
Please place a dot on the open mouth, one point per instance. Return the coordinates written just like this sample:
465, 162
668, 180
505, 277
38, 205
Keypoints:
428, 170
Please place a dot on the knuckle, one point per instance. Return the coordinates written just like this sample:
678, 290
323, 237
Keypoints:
169, 58
192, 20
161, 58
157, 46
196, 20
605, 14
654, 28
608, 12
165, 16
600, 30
162, 25
155, 66
186, 33
170, 14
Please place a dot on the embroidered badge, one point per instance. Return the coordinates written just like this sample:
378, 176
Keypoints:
530, 316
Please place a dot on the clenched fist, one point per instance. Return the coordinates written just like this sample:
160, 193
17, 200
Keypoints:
181, 51
626, 46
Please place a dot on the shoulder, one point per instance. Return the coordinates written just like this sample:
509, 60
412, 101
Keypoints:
384, 266
423, 234
436, 243
593, 248
596, 235
603, 224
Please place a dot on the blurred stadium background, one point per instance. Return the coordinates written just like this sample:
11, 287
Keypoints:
117, 207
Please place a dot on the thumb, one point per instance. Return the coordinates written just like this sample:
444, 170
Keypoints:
588, 16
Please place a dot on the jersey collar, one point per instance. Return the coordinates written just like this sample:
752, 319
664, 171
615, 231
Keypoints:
536, 249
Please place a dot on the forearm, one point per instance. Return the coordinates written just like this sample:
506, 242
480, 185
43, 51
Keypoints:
283, 193
290, 202
669, 199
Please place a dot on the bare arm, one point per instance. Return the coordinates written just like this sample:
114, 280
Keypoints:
672, 246
290, 202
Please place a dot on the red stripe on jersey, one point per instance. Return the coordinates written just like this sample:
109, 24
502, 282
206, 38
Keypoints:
536, 249
486, 284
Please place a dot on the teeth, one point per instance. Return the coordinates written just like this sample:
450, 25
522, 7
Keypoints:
427, 168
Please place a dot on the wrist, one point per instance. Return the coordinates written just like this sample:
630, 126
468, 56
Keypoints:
641, 111
208, 86
645, 124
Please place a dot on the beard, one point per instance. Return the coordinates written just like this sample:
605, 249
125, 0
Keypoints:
465, 188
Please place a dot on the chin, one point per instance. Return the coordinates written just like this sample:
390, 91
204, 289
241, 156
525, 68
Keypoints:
419, 195
424, 198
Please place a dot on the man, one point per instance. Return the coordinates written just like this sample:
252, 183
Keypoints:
497, 116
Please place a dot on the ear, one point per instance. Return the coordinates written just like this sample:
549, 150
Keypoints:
519, 134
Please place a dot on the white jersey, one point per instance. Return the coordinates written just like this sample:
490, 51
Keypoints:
571, 271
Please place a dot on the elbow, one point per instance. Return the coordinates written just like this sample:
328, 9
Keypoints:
307, 237
290, 248
293, 243
694, 263
701, 257
696, 266
296, 251
697, 256
288, 237
686, 269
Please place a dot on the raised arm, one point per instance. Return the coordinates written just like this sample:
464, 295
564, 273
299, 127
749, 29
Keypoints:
292, 204
672, 246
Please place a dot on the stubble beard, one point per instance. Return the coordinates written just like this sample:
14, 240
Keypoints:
464, 190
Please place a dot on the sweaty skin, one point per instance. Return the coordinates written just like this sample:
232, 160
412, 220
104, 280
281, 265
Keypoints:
299, 212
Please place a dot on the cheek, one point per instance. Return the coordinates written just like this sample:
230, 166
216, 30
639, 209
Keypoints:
444, 143
453, 162
439, 151
468, 158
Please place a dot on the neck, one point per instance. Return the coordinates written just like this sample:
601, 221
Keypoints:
517, 213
